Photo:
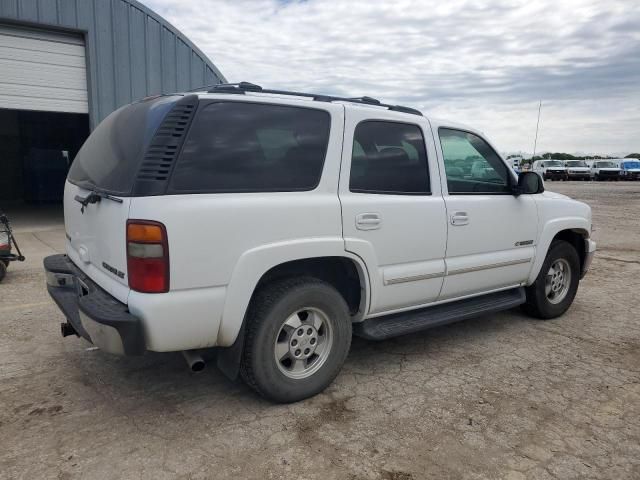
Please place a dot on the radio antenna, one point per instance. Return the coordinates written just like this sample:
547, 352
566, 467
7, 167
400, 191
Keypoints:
535, 142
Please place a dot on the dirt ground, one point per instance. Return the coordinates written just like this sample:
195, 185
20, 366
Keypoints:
502, 396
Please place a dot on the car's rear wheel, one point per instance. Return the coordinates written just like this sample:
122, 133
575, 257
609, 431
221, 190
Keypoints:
3, 270
298, 337
554, 289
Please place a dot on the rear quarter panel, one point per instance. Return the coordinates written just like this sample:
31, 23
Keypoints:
221, 244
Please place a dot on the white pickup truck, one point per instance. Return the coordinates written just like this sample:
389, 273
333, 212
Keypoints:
577, 170
605, 170
273, 224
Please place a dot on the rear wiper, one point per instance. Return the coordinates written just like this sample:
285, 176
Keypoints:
94, 197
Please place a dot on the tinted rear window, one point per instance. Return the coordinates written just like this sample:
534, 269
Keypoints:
250, 147
389, 157
110, 157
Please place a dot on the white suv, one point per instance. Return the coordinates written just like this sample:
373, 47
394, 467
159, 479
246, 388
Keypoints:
577, 170
550, 169
605, 170
272, 224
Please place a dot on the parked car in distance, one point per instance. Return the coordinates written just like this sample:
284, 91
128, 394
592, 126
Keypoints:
605, 170
630, 169
577, 170
481, 170
271, 225
550, 169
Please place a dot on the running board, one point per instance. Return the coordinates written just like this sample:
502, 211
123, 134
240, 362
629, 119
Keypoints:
381, 328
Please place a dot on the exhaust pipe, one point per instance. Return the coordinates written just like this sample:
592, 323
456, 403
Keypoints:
195, 361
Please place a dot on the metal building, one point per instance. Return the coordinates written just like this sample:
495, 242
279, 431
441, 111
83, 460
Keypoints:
64, 66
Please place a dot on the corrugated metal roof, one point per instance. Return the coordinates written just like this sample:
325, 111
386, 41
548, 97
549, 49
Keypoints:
131, 51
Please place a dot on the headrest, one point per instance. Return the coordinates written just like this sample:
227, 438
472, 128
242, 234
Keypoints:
388, 158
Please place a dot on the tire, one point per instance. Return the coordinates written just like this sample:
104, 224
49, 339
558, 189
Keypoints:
545, 306
289, 301
3, 270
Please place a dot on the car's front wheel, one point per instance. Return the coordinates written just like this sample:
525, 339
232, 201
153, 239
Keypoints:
297, 339
554, 289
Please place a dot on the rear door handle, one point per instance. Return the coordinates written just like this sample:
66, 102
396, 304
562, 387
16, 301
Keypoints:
368, 221
459, 218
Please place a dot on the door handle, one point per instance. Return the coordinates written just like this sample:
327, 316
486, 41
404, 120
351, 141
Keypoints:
368, 221
459, 218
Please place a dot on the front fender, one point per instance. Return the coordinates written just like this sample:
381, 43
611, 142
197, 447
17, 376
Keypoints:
549, 230
254, 263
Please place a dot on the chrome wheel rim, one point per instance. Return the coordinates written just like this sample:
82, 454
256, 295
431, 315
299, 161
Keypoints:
558, 281
303, 343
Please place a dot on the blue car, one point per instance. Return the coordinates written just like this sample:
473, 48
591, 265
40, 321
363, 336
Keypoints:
630, 169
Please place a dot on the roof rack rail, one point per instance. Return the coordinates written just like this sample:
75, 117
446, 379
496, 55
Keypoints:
243, 87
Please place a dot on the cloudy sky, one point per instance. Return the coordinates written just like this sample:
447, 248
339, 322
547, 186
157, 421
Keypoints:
485, 63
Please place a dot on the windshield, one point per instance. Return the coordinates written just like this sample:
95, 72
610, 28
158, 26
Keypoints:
629, 165
576, 163
606, 165
553, 163
109, 158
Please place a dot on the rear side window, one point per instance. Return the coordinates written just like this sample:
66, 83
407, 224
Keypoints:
249, 147
389, 158
110, 157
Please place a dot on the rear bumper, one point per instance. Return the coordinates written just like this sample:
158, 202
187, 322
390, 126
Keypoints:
590, 251
94, 314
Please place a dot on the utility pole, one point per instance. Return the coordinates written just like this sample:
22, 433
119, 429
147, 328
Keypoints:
535, 143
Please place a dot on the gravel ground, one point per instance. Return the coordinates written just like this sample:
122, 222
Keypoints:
502, 396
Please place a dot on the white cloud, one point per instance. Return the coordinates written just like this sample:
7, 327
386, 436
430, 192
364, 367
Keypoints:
485, 63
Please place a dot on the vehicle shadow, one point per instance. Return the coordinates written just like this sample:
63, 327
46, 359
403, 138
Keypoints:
164, 380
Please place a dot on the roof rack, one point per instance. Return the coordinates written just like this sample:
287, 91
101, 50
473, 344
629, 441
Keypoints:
243, 87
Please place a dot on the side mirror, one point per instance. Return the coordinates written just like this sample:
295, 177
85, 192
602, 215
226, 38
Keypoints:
529, 183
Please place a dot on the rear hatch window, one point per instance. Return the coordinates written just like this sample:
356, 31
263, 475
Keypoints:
110, 158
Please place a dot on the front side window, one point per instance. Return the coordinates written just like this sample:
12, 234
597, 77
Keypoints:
250, 147
471, 165
389, 158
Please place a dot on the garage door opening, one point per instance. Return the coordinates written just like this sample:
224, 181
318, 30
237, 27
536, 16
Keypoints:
36, 150
43, 111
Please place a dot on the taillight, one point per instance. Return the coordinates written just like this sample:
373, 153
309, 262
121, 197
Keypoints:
147, 256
